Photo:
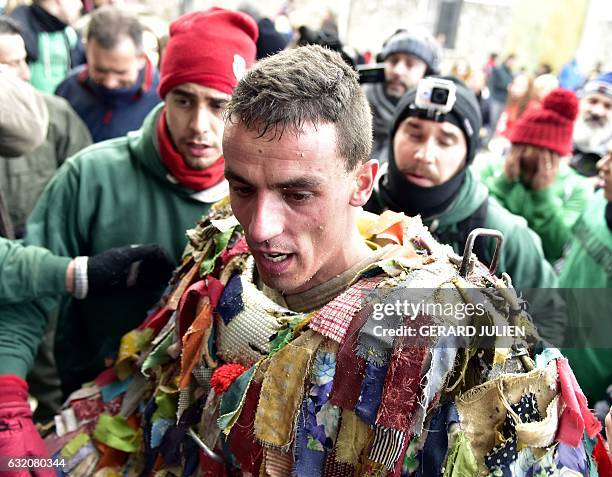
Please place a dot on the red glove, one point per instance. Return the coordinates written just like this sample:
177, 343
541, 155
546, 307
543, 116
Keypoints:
18, 435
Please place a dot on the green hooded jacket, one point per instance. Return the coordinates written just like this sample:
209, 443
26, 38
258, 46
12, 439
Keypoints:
550, 212
589, 265
521, 257
111, 194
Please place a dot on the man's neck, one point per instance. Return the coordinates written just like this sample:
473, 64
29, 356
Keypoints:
319, 295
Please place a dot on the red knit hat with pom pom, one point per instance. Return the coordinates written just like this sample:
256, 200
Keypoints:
551, 126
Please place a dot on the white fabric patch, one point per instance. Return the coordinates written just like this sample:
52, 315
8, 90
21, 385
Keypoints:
239, 67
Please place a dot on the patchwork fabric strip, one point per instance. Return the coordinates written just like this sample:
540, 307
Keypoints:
283, 389
387, 446
374, 346
402, 389
350, 368
371, 393
353, 437
231, 302
333, 320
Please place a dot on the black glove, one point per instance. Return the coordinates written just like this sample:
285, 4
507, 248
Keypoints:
142, 266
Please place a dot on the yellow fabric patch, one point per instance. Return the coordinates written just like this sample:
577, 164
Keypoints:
353, 436
461, 461
282, 391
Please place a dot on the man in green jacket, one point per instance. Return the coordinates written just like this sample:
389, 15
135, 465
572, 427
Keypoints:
587, 275
533, 181
429, 175
147, 187
23, 179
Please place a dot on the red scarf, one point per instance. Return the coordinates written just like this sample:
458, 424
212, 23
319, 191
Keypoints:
195, 179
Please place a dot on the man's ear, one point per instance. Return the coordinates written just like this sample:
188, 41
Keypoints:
365, 178
142, 60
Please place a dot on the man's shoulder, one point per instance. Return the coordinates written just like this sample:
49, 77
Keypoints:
500, 218
113, 153
71, 84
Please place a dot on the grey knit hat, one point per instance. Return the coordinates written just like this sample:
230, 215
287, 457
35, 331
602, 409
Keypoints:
417, 42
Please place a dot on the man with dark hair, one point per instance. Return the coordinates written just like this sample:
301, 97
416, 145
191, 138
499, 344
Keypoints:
52, 44
268, 354
23, 179
115, 91
408, 56
429, 175
147, 187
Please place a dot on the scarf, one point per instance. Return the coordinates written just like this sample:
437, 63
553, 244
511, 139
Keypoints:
117, 97
194, 179
402, 196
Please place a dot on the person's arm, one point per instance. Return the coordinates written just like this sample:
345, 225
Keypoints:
553, 217
23, 116
523, 259
29, 272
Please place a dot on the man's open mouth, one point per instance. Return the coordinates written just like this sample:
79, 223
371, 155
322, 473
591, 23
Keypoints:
275, 257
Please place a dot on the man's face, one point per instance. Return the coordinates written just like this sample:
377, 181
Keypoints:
604, 167
402, 72
13, 55
596, 110
68, 11
296, 203
428, 153
193, 115
117, 67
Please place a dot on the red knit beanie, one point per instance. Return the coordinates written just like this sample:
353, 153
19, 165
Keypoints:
213, 48
551, 126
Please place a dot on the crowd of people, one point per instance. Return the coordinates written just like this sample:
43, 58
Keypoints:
192, 246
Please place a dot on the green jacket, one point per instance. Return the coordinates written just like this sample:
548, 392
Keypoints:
23, 179
27, 273
521, 257
550, 212
113, 193
589, 266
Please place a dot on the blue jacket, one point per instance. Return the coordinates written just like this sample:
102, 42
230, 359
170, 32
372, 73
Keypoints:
110, 113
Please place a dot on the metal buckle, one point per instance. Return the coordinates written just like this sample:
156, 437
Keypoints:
469, 246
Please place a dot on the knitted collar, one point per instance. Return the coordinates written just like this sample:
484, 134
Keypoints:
193, 179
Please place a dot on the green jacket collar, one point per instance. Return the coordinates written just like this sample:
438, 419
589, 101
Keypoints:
471, 195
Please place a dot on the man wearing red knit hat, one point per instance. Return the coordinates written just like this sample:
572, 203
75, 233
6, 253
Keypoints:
534, 181
147, 187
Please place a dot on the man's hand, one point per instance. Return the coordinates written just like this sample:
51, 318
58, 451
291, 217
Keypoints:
512, 165
546, 172
143, 266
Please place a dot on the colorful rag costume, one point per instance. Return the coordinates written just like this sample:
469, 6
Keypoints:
228, 377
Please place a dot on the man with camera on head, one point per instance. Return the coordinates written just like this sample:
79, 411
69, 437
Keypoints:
593, 128
408, 56
433, 140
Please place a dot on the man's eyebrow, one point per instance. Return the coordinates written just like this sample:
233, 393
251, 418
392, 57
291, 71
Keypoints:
182, 92
449, 134
234, 176
304, 182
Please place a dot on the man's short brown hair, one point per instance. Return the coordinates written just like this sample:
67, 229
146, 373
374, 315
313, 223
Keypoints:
306, 85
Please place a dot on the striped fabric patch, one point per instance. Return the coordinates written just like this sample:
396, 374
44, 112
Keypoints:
387, 446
